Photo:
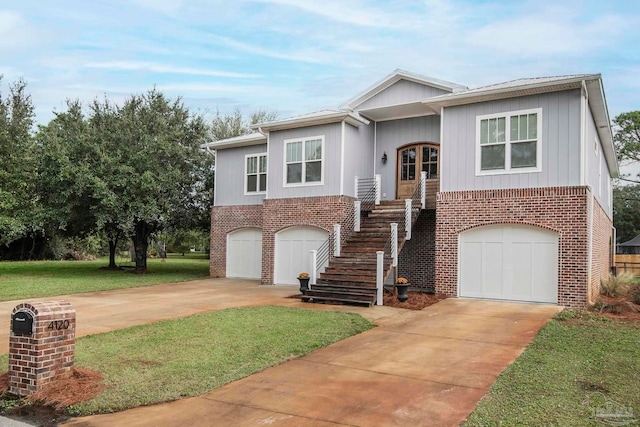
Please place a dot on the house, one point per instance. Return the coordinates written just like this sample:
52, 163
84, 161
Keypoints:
515, 182
630, 247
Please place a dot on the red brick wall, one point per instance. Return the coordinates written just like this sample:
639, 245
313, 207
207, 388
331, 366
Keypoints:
416, 261
223, 220
38, 359
601, 258
272, 216
560, 209
322, 212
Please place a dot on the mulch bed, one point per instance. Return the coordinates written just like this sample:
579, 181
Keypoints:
617, 308
416, 300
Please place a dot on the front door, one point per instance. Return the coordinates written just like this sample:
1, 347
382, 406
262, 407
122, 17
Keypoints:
412, 160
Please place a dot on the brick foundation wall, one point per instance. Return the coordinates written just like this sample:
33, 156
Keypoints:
560, 209
601, 257
48, 353
322, 212
225, 219
416, 261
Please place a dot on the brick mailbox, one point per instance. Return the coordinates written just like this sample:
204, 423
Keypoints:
41, 345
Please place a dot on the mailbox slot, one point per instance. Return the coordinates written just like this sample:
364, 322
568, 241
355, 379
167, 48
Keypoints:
22, 323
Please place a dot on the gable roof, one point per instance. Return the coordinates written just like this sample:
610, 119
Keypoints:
591, 83
395, 77
633, 242
312, 119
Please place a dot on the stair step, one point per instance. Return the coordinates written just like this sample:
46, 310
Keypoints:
355, 296
336, 300
328, 285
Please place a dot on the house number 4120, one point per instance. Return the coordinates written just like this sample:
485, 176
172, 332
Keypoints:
58, 325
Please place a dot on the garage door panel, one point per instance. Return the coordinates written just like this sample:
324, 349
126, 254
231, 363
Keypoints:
492, 272
520, 266
244, 253
518, 263
473, 268
292, 252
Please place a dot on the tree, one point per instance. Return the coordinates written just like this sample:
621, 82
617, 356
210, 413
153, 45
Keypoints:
626, 208
627, 138
18, 202
233, 124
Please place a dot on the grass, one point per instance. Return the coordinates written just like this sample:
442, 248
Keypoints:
171, 359
577, 363
31, 279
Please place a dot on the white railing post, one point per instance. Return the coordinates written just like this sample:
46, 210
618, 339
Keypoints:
379, 274
355, 187
336, 241
394, 244
423, 189
356, 215
314, 266
378, 188
407, 219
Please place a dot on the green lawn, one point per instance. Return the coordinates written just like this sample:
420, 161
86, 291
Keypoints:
30, 279
171, 359
572, 368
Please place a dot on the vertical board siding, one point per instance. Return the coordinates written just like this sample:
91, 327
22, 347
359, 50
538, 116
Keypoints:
331, 162
401, 92
358, 155
395, 133
560, 143
230, 176
594, 162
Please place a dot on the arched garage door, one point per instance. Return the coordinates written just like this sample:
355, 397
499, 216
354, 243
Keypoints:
244, 253
292, 252
510, 262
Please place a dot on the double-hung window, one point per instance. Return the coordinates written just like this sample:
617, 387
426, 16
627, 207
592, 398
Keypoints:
255, 174
509, 142
304, 161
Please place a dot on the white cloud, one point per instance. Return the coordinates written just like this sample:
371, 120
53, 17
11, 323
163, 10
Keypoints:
551, 32
170, 69
14, 31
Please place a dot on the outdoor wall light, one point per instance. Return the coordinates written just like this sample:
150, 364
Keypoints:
384, 158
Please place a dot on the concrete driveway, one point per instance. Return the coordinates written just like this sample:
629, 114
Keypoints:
426, 367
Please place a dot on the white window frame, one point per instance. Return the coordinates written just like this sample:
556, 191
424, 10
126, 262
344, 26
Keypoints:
507, 161
303, 183
246, 174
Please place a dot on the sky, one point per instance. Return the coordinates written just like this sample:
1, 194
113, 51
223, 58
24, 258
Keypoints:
297, 56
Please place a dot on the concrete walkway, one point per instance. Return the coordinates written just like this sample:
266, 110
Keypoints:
426, 367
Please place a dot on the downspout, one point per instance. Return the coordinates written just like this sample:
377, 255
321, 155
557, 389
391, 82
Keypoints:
266, 193
590, 256
342, 134
441, 146
584, 160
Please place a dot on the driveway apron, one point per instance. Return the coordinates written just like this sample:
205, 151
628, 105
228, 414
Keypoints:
417, 368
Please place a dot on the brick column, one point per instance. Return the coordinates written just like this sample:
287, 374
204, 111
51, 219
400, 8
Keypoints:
38, 358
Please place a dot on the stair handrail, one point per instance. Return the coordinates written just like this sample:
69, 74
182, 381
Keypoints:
322, 255
367, 192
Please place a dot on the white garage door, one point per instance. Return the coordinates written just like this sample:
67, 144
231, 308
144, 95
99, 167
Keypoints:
292, 252
509, 262
244, 253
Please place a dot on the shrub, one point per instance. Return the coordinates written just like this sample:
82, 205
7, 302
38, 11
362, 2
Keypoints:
634, 293
616, 285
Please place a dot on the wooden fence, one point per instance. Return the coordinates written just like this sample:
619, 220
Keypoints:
628, 263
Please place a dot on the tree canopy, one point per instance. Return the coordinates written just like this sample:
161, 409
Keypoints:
627, 139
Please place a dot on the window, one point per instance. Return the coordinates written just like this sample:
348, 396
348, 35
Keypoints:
255, 173
508, 142
303, 161
408, 164
430, 161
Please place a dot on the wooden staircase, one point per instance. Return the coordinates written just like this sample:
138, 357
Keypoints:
351, 277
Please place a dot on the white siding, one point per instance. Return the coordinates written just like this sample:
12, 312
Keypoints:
598, 175
331, 162
560, 143
401, 92
396, 133
230, 176
358, 155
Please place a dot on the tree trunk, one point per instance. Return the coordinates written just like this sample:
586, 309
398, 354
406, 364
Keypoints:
113, 244
141, 243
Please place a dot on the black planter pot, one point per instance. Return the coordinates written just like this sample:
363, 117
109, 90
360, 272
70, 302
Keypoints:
304, 284
403, 293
